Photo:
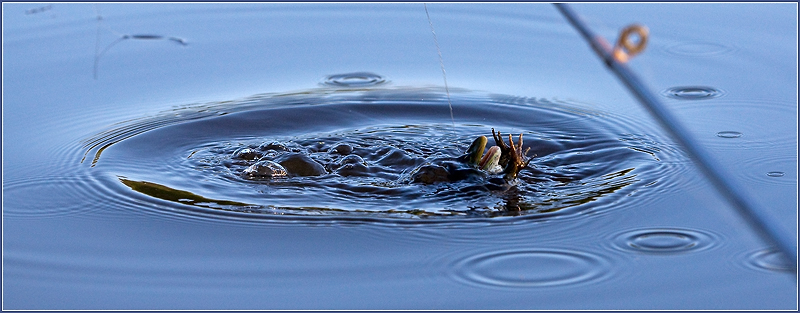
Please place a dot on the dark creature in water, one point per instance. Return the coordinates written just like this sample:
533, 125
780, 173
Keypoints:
507, 159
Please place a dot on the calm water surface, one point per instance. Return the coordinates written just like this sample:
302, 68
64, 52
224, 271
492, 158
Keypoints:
129, 130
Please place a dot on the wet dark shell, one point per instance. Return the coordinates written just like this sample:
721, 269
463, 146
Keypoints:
299, 164
264, 169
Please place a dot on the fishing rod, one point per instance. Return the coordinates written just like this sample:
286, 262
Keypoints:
615, 58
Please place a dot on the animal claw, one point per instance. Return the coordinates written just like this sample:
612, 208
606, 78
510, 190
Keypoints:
512, 158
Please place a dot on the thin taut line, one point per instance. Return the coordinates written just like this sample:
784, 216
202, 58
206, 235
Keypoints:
444, 74
758, 218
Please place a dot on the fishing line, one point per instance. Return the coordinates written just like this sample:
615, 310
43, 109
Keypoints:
444, 74
615, 58
98, 54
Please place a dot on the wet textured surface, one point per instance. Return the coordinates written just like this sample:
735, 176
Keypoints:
268, 156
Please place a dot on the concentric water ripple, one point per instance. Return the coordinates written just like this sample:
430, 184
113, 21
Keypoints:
692, 92
49, 196
664, 240
729, 134
769, 259
367, 145
671, 158
770, 168
699, 49
531, 268
357, 79
646, 139
559, 228
742, 123
67, 190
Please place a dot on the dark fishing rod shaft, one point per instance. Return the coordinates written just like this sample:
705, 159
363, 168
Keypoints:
757, 219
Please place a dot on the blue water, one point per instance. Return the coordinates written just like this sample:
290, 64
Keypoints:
101, 100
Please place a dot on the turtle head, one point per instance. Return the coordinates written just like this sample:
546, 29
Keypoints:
475, 151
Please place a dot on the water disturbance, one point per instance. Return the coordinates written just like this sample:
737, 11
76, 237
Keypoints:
664, 241
378, 153
692, 92
530, 268
241, 156
768, 260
